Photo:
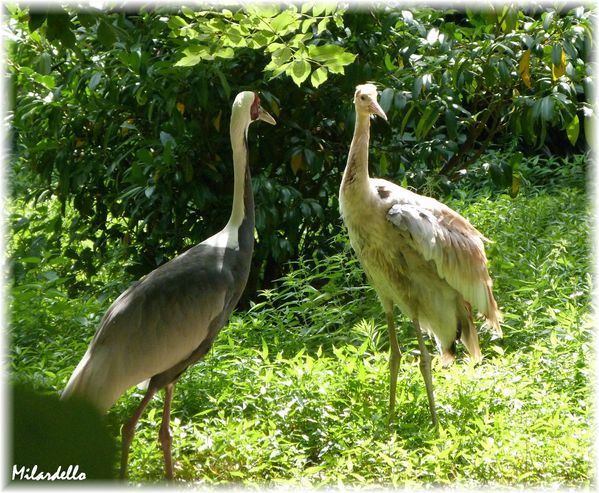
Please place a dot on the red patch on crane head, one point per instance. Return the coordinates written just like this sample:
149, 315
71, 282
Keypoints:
255, 108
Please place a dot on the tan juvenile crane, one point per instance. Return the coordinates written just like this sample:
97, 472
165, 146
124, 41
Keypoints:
417, 253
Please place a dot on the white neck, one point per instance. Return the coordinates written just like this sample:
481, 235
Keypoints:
229, 236
240, 154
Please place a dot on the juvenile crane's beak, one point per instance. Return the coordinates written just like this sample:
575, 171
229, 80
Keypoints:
375, 109
265, 116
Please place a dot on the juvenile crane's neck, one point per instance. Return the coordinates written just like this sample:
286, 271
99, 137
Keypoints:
356, 169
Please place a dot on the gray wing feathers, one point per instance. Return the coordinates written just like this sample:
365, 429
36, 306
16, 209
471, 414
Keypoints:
160, 320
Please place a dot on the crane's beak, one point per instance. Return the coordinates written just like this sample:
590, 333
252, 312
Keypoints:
265, 116
375, 109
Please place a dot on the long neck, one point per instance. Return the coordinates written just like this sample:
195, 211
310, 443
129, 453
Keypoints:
356, 170
242, 212
240, 162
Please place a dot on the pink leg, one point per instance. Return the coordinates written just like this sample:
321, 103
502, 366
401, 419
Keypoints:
394, 361
425, 369
166, 439
129, 430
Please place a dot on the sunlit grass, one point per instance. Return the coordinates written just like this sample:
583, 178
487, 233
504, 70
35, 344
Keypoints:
295, 390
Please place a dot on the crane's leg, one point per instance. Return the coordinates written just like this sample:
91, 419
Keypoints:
394, 360
166, 440
129, 430
425, 368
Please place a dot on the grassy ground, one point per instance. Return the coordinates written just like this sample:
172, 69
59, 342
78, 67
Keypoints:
295, 390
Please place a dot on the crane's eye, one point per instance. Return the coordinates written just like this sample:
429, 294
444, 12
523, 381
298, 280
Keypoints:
255, 108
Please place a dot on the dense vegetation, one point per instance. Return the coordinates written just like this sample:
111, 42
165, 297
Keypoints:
295, 389
116, 111
121, 160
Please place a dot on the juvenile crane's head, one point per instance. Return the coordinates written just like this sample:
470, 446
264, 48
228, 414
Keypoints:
247, 109
365, 100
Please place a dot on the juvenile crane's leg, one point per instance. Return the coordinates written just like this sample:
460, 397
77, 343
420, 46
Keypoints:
129, 430
425, 369
166, 439
394, 360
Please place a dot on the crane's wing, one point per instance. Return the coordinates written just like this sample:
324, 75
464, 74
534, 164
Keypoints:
156, 324
445, 237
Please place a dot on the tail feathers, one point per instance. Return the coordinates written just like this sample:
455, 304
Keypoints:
91, 381
469, 336
493, 314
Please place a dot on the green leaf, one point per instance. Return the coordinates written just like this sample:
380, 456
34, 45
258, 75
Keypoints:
387, 99
106, 34
59, 27
573, 129
86, 19
426, 122
299, 71
319, 76
284, 22
95, 80
44, 64
223, 82
547, 20
149, 191
510, 21
406, 119
67, 38
515, 178
389, 65
451, 124
35, 21
318, 9
556, 54
417, 87
547, 105
322, 25
226, 52
330, 54
306, 24
282, 55
194, 55
167, 139
333, 57
177, 22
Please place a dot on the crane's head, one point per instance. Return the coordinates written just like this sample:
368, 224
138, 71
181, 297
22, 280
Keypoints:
366, 102
247, 109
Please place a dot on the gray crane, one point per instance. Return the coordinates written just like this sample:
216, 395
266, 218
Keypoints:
418, 254
169, 320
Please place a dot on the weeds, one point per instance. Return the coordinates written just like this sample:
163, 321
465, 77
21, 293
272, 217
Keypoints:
295, 389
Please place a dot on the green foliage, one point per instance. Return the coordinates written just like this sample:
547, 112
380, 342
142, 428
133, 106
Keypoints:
295, 389
127, 125
458, 82
290, 36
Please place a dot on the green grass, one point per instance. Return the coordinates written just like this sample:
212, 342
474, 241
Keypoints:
295, 390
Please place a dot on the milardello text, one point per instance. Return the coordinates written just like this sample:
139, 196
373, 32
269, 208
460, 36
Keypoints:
71, 473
